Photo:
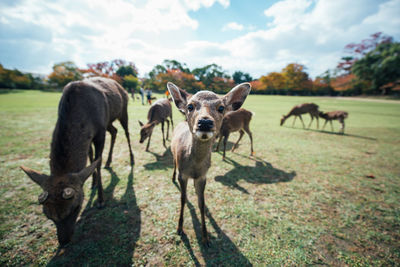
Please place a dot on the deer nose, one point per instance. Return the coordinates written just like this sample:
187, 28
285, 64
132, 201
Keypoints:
205, 125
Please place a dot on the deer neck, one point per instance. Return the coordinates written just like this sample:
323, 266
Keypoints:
201, 150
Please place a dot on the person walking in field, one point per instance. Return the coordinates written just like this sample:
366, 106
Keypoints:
141, 91
148, 93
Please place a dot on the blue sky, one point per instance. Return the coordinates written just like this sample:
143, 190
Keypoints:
257, 37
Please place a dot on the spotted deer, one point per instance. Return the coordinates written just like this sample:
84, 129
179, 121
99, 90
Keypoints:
234, 121
86, 110
334, 115
158, 113
192, 139
298, 110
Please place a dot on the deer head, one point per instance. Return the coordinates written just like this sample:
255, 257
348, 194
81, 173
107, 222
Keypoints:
283, 119
205, 110
146, 130
62, 198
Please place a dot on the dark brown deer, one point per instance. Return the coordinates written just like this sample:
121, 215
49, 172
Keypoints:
86, 110
298, 110
158, 113
234, 121
334, 115
192, 140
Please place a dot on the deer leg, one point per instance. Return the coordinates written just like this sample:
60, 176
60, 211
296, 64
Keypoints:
302, 121
172, 122
342, 126
113, 131
183, 185
323, 127
200, 185
148, 142
174, 174
94, 180
99, 146
294, 120
219, 141
317, 122
241, 132
247, 129
312, 118
162, 130
331, 125
167, 127
225, 140
124, 123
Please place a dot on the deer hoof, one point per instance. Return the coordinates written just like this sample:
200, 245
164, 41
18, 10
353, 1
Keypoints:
180, 231
205, 242
100, 205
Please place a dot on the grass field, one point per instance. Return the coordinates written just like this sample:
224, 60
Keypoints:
306, 198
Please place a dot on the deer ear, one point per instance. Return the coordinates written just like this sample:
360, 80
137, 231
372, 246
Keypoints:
36, 176
86, 172
141, 123
178, 95
236, 97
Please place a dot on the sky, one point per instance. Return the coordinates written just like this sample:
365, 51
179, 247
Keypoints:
256, 37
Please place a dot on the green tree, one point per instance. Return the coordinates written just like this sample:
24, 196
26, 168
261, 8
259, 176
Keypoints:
64, 73
380, 66
240, 77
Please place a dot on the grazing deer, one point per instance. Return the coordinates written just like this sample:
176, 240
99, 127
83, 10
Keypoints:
192, 140
233, 121
298, 110
158, 113
86, 110
334, 115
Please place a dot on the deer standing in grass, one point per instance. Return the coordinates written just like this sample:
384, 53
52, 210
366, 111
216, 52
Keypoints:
86, 110
233, 121
158, 113
334, 115
298, 110
192, 139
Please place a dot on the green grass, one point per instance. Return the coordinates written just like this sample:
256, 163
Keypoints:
303, 199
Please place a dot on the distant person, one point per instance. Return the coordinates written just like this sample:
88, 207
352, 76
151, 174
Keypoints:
148, 94
133, 94
141, 91
166, 94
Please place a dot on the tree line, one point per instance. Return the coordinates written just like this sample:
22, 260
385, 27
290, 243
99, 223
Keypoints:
369, 67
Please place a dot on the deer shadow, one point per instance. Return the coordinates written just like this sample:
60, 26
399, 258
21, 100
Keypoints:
262, 173
221, 252
108, 236
162, 162
341, 134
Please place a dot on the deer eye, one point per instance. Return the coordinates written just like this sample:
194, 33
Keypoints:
190, 107
221, 109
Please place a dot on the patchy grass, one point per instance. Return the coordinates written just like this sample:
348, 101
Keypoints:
304, 199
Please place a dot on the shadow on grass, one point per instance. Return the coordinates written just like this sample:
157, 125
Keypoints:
162, 162
108, 236
10, 91
337, 133
262, 173
221, 252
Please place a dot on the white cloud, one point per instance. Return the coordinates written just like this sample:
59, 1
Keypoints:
35, 35
233, 26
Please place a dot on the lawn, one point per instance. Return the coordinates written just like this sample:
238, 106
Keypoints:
307, 197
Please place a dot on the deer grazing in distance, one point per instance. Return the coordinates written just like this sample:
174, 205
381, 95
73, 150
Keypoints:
158, 113
233, 121
192, 139
334, 115
86, 110
298, 110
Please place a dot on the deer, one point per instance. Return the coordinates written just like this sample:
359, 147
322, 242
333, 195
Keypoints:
298, 110
334, 115
86, 110
233, 121
193, 139
158, 113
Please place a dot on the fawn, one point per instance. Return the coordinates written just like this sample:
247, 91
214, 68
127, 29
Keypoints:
192, 139
298, 110
334, 115
233, 121
158, 113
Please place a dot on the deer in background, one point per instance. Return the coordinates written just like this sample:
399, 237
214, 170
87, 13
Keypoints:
158, 113
192, 140
334, 115
298, 110
86, 110
233, 121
